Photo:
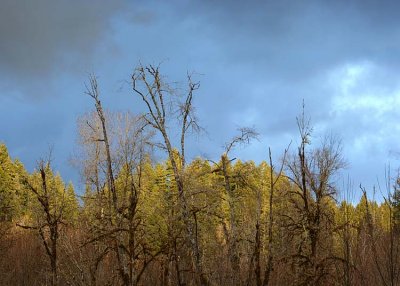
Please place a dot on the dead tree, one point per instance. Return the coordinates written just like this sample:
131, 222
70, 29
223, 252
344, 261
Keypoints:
51, 218
159, 98
244, 137
312, 224
120, 227
93, 91
256, 263
275, 176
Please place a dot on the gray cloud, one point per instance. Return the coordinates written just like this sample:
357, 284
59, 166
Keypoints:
42, 38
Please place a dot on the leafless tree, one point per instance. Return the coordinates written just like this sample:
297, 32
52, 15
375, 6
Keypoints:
275, 176
232, 236
51, 217
161, 102
124, 150
312, 223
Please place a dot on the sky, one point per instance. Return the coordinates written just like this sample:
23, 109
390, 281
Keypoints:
256, 62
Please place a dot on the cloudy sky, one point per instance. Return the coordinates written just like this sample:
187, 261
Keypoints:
256, 60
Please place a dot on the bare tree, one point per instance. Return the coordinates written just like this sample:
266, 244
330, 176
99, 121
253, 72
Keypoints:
243, 138
159, 98
52, 204
312, 223
93, 91
124, 152
275, 176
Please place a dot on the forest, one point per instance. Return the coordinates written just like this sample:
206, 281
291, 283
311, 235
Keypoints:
289, 220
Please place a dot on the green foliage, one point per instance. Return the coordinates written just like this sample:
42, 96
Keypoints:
13, 198
61, 197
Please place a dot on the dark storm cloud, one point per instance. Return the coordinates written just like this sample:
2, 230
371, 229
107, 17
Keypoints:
40, 38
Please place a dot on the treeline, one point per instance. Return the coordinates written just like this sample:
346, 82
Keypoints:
199, 222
